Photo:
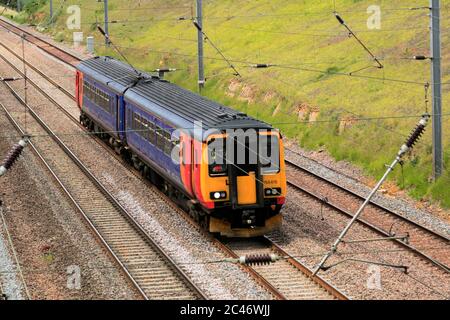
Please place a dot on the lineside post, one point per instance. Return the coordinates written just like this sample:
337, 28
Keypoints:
106, 22
51, 11
436, 80
201, 71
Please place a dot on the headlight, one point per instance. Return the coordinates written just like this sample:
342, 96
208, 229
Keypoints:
272, 192
218, 195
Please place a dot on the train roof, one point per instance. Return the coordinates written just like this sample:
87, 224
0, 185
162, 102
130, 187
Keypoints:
178, 106
109, 72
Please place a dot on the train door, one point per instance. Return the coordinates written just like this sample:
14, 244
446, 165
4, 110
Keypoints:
79, 89
120, 107
196, 165
244, 173
186, 162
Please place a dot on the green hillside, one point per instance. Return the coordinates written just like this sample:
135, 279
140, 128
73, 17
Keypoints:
308, 98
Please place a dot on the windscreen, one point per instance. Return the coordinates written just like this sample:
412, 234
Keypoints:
243, 151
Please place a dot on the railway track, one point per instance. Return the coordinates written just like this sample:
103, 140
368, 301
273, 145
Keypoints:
269, 278
291, 279
18, 271
424, 242
275, 278
153, 273
274, 284
2, 290
42, 44
40, 73
3, 295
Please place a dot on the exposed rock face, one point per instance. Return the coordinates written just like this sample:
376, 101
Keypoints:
247, 94
233, 87
241, 91
269, 96
346, 123
305, 112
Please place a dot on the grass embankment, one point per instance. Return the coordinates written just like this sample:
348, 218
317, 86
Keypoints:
318, 109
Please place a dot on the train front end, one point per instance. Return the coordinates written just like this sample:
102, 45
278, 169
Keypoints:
243, 181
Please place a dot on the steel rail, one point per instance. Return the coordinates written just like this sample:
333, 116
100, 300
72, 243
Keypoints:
114, 202
39, 72
258, 278
184, 214
372, 202
289, 276
42, 91
369, 225
40, 43
296, 166
16, 258
75, 203
224, 248
334, 291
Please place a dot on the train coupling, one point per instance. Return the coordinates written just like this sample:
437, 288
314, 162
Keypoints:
249, 218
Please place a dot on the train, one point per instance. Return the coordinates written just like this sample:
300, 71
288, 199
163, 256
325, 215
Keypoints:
225, 168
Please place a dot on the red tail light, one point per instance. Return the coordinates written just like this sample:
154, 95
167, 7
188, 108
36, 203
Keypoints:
218, 168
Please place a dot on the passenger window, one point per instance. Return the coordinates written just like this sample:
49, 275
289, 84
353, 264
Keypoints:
152, 135
217, 157
159, 138
145, 133
168, 143
270, 154
139, 125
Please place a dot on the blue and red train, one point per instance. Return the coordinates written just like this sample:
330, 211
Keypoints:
150, 121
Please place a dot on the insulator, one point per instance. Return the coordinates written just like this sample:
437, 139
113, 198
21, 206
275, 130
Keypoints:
418, 132
261, 65
338, 17
102, 31
420, 58
197, 25
258, 259
10, 79
12, 156
165, 70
